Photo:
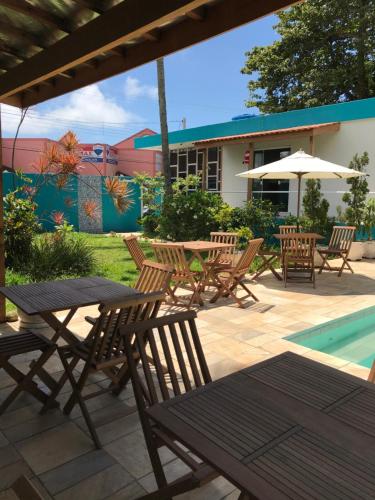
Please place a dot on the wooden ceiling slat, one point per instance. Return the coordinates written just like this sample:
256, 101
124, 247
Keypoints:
20, 35
37, 13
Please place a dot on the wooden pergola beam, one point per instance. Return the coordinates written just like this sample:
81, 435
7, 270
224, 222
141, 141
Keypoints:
123, 22
129, 20
37, 13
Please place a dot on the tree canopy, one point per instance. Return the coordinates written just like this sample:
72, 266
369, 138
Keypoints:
325, 54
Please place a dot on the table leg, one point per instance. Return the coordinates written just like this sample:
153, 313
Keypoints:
61, 327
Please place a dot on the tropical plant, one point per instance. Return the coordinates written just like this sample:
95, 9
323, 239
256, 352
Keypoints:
369, 217
121, 193
356, 197
20, 226
324, 54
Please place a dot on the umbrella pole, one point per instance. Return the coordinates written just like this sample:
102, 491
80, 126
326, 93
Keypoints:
298, 199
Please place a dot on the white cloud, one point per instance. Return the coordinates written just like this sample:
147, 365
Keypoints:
87, 107
135, 89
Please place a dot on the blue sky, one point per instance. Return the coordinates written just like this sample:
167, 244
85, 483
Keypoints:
203, 83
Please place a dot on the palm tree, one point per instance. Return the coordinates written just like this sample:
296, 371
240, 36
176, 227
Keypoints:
163, 124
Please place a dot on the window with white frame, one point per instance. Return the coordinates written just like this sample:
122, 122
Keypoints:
190, 161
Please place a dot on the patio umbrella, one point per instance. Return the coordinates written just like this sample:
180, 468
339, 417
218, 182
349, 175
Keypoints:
300, 166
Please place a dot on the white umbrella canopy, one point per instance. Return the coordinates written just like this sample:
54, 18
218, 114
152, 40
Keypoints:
300, 166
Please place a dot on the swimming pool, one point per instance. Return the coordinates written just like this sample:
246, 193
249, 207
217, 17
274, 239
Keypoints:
351, 337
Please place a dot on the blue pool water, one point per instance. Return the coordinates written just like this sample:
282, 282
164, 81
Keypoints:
351, 337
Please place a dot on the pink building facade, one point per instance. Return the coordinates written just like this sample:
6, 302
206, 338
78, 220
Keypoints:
96, 159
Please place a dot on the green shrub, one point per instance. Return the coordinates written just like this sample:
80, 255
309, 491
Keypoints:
55, 256
150, 223
257, 215
244, 236
20, 226
189, 212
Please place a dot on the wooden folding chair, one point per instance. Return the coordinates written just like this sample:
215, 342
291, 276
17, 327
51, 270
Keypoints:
298, 258
270, 257
229, 279
223, 257
174, 255
287, 229
154, 277
173, 338
339, 246
103, 351
135, 250
23, 343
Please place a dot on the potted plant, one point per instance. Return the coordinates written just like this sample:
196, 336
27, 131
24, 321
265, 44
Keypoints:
369, 224
356, 201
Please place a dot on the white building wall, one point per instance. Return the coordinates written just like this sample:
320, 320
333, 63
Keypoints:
353, 137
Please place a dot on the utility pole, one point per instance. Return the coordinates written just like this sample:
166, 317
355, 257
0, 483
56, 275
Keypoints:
183, 123
163, 125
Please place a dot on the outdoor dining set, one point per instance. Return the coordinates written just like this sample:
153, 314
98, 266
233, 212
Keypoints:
283, 428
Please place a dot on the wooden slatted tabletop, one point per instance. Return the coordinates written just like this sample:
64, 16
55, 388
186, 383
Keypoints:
35, 298
288, 427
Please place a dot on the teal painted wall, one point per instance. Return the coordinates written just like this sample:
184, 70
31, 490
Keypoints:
346, 111
51, 199
115, 221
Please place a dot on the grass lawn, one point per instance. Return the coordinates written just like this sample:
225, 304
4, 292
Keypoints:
113, 260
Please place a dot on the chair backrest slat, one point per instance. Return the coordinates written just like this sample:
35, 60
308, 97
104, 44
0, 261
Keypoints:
287, 229
154, 277
342, 238
107, 340
299, 246
163, 334
248, 256
171, 255
135, 250
223, 237
168, 358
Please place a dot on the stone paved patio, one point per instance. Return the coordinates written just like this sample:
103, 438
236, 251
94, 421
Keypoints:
57, 453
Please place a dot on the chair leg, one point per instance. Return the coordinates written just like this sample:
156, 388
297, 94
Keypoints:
60, 384
322, 266
25, 382
248, 291
345, 263
77, 396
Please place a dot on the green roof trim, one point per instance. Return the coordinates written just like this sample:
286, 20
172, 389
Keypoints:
345, 111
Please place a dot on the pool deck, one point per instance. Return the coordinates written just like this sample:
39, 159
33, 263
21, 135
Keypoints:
59, 457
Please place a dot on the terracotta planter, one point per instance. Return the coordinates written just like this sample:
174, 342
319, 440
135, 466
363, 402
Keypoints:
356, 251
369, 249
32, 322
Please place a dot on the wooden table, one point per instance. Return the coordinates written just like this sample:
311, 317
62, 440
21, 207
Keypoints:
288, 427
197, 249
283, 237
47, 298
